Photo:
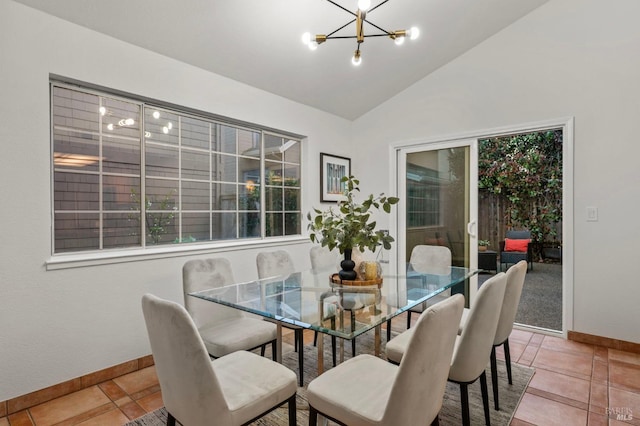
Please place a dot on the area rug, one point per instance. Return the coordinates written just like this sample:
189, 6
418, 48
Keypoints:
450, 414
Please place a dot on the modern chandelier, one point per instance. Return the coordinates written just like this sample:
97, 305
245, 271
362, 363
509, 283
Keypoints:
364, 7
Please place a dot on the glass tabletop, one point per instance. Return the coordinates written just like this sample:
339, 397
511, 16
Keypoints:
310, 299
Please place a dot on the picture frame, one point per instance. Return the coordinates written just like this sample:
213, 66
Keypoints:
332, 169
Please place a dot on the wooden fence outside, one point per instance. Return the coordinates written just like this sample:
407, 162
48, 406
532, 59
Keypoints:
492, 223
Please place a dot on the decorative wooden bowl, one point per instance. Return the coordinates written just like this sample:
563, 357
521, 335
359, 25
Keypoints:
335, 279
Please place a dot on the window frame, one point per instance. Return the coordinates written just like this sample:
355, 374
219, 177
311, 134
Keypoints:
145, 250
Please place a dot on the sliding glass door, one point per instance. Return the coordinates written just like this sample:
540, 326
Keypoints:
439, 184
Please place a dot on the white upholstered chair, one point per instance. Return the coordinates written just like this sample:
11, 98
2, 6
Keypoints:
434, 260
276, 264
366, 390
326, 261
427, 259
233, 390
223, 329
512, 293
473, 347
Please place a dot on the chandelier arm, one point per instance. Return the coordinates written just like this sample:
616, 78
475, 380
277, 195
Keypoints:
345, 9
377, 6
365, 36
387, 33
344, 26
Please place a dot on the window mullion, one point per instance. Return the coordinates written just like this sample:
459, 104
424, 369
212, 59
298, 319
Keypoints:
263, 191
100, 182
179, 178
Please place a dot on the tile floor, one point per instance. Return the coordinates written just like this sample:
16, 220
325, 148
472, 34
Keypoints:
574, 384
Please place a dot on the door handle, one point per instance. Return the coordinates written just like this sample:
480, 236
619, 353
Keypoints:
471, 228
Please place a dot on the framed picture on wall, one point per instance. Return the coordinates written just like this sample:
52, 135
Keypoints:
332, 170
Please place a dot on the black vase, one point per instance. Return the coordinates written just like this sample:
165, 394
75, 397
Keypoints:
347, 265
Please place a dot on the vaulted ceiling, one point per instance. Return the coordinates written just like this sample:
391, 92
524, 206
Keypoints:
258, 42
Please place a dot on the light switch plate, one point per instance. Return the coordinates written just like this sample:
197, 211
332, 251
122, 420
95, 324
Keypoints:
592, 214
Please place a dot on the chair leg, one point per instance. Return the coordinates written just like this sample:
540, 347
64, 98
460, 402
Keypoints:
274, 350
507, 360
292, 410
333, 341
436, 421
333, 350
353, 328
408, 319
300, 343
315, 338
464, 400
388, 330
262, 349
494, 378
313, 416
171, 421
485, 398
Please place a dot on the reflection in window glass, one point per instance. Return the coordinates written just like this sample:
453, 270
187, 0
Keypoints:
224, 168
121, 155
195, 165
273, 198
129, 174
224, 196
227, 139
195, 227
249, 224
195, 133
195, 195
76, 231
249, 197
249, 143
76, 192
120, 230
117, 193
162, 161
161, 126
274, 225
75, 149
225, 225
292, 223
272, 145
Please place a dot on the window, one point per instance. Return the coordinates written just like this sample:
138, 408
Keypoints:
423, 196
124, 169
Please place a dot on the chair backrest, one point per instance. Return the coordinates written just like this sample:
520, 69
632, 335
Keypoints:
201, 274
190, 389
431, 259
322, 259
473, 350
418, 390
274, 263
518, 235
512, 293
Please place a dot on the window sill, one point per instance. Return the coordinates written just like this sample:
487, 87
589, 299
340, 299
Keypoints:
107, 257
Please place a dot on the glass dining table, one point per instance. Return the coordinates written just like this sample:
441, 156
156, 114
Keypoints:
316, 300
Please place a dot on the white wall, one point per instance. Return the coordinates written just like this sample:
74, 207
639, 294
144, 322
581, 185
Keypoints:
58, 325
568, 58
575, 58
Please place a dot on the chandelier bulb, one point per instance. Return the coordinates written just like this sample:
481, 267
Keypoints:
356, 60
413, 33
364, 5
306, 38
313, 45
399, 41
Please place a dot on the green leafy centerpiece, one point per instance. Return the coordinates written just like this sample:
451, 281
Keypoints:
351, 225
